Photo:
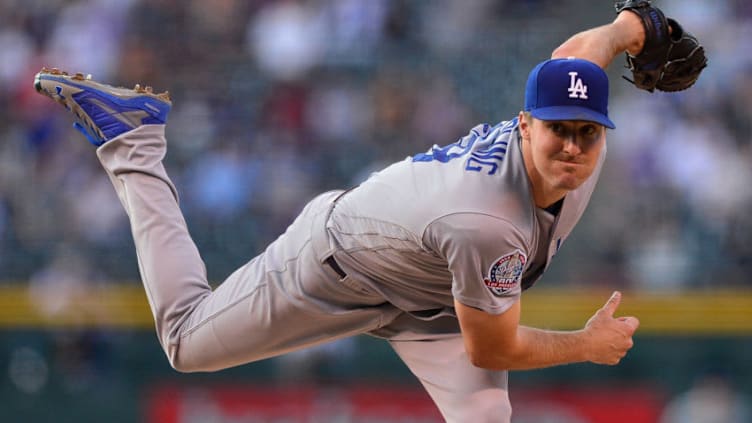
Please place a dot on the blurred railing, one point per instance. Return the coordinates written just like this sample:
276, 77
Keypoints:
716, 313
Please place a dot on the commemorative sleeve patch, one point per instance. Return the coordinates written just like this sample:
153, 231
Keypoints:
505, 273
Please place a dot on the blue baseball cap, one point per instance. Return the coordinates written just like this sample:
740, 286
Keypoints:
568, 89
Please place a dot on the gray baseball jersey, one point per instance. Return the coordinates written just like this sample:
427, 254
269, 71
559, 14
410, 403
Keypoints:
456, 222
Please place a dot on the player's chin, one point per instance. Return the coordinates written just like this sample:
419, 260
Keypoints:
570, 181
570, 176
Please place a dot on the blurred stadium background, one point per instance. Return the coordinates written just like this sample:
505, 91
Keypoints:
275, 101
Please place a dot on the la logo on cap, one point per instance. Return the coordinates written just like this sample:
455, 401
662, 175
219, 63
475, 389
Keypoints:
576, 88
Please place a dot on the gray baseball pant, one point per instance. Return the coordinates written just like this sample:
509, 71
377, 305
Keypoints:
282, 300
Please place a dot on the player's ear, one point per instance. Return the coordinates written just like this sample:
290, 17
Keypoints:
524, 126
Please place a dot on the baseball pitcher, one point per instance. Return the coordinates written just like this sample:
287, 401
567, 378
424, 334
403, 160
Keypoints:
432, 253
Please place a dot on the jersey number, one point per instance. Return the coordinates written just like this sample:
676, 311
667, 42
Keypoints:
480, 160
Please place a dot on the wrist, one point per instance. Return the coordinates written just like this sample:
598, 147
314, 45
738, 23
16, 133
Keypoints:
584, 341
629, 33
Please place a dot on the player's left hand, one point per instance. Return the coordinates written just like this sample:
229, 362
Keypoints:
671, 59
609, 338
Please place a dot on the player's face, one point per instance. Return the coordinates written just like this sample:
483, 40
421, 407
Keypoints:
560, 155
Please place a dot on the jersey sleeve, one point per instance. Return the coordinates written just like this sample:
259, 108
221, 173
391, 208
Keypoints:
486, 256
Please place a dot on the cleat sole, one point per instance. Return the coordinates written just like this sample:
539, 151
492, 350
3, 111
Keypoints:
102, 111
87, 80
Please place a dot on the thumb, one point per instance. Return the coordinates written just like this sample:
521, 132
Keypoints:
613, 303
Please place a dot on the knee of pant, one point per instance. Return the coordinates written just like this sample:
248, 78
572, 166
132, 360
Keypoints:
187, 365
183, 366
184, 363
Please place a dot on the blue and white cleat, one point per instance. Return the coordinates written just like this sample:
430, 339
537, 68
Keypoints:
103, 112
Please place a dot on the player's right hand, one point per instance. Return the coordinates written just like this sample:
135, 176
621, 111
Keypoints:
608, 337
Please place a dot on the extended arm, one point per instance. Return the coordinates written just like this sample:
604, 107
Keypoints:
602, 44
499, 342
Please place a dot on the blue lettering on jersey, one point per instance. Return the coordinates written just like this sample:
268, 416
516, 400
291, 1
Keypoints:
452, 151
487, 155
489, 158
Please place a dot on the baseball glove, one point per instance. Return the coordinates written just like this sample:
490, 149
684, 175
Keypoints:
671, 60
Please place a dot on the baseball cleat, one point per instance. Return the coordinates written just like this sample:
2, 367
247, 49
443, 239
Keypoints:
102, 111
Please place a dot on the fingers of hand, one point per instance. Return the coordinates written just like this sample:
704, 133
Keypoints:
615, 350
621, 350
626, 328
632, 323
612, 336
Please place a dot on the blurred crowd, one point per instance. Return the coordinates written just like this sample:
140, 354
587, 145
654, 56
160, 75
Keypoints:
277, 100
